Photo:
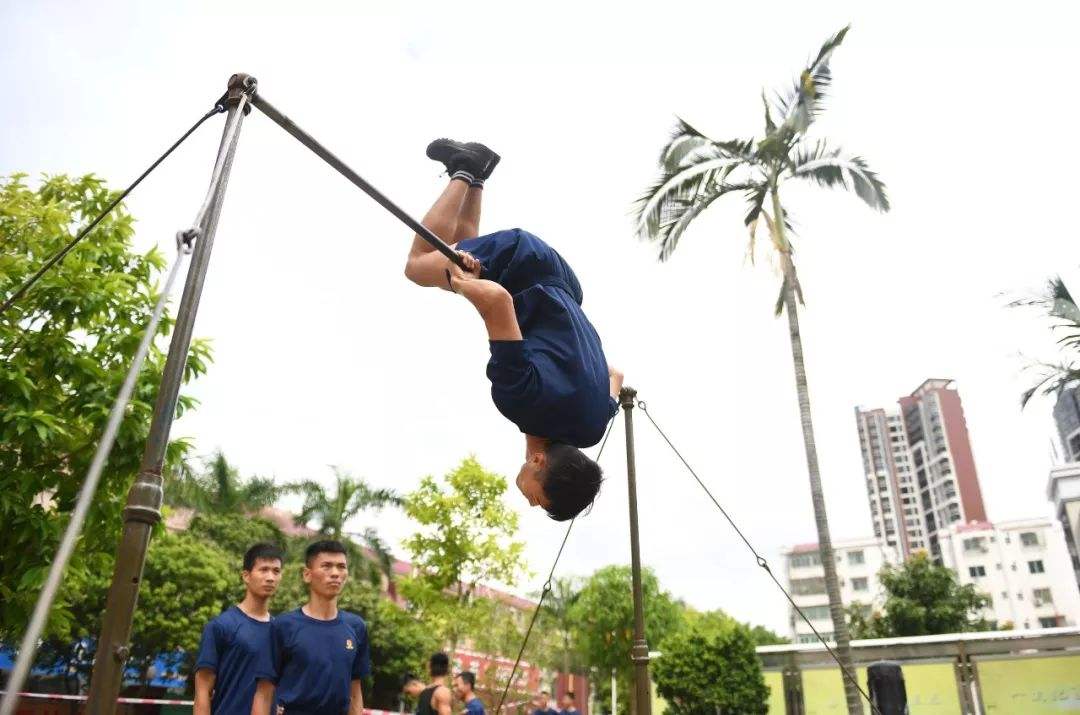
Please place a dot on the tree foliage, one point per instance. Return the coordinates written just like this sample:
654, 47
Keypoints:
604, 617
219, 488
65, 348
922, 599
709, 667
465, 539
1063, 315
235, 533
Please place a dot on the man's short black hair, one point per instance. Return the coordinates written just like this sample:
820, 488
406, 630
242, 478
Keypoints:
468, 677
323, 547
571, 481
439, 664
262, 550
410, 678
569, 694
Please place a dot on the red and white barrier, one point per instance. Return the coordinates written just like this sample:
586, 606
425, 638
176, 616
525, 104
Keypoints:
150, 701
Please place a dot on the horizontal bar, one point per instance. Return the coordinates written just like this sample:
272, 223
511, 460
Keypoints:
326, 155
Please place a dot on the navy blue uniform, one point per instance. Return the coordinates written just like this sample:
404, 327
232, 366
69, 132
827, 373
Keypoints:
474, 707
313, 662
554, 382
236, 647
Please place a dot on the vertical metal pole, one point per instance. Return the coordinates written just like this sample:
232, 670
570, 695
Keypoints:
143, 508
639, 653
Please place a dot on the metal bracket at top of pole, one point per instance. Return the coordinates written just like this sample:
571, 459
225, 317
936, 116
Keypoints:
239, 85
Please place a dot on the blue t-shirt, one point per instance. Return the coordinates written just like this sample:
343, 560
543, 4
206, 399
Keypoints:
236, 647
313, 662
554, 382
474, 707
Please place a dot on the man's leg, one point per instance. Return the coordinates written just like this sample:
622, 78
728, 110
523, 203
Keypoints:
442, 218
468, 224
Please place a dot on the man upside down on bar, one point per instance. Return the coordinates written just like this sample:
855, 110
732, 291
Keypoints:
547, 368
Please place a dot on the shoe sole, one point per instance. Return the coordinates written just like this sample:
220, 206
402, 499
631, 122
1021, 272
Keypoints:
443, 150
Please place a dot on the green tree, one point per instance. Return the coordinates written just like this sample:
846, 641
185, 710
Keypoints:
235, 533
604, 615
557, 618
331, 511
922, 599
697, 170
186, 582
65, 348
219, 489
1057, 304
465, 539
710, 667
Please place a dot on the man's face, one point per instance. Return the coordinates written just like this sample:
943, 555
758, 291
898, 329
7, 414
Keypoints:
263, 578
326, 573
530, 480
461, 689
567, 702
542, 701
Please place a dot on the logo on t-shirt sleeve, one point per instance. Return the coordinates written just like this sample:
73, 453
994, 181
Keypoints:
348, 644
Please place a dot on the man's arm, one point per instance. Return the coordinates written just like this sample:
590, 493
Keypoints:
356, 698
430, 269
615, 381
440, 701
204, 688
495, 305
264, 698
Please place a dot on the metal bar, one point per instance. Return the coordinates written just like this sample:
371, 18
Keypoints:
326, 155
143, 509
639, 653
28, 647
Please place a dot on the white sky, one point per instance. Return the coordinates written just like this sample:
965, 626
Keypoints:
326, 355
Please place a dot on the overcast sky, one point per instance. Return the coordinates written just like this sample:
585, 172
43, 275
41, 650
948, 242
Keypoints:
326, 355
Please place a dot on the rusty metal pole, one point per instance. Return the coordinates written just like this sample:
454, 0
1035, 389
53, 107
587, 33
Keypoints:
143, 508
639, 653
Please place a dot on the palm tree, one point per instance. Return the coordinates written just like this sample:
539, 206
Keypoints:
331, 511
1058, 305
697, 170
219, 488
556, 610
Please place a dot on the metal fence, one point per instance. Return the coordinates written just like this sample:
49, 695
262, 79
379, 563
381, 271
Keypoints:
1014, 672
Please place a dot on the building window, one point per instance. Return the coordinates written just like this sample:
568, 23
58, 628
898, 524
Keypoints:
1051, 622
1029, 538
1036, 567
1042, 596
977, 543
807, 586
804, 638
859, 584
800, 560
816, 613
977, 571
1005, 595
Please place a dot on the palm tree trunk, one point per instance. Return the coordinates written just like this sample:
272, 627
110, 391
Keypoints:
828, 561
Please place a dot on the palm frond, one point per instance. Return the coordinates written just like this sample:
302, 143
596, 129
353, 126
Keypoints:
756, 198
1053, 379
1057, 303
684, 141
680, 216
832, 169
674, 191
804, 102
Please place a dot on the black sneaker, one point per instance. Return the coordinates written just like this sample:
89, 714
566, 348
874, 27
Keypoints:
474, 158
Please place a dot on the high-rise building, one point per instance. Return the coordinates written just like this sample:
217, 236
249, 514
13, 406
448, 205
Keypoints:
920, 471
1067, 418
1064, 492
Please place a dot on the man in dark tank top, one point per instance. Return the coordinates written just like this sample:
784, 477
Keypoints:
435, 698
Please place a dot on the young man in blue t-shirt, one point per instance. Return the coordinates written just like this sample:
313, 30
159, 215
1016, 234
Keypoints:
548, 372
318, 654
464, 682
235, 644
